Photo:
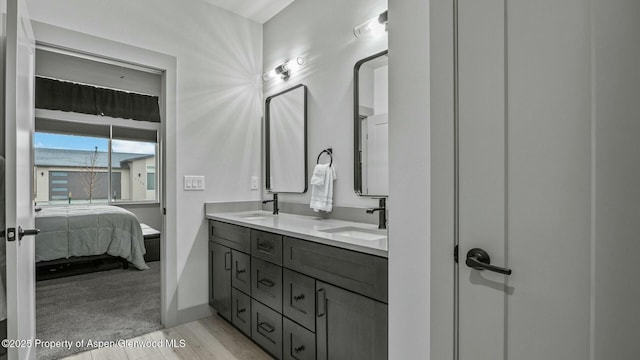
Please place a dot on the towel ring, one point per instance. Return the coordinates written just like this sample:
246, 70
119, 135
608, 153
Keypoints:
329, 152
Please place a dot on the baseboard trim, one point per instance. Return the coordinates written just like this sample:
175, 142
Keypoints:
194, 313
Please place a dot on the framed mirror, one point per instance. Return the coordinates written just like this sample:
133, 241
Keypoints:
286, 141
371, 126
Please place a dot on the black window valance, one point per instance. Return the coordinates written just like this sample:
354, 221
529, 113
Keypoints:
67, 96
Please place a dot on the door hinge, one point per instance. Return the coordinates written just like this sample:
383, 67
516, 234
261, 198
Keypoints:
11, 234
455, 254
164, 211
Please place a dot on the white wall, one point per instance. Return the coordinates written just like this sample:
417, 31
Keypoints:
322, 32
219, 57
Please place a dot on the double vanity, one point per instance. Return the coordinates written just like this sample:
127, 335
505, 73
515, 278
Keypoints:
301, 287
307, 287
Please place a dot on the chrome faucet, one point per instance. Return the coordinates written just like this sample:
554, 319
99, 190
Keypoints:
275, 203
382, 209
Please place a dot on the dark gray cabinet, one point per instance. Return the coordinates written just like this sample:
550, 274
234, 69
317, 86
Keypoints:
220, 279
358, 272
266, 283
298, 343
241, 311
232, 236
266, 246
266, 328
229, 266
349, 326
241, 271
299, 299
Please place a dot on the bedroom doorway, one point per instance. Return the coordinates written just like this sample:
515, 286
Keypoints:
125, 170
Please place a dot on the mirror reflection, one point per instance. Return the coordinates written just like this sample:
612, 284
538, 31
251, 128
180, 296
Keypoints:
286, 141
371, 120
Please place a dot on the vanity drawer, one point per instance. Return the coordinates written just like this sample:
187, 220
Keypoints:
361, 273
241, 271
299, 300
298, 343
233, 236
266, 246
266, 328
266, 283
241, 311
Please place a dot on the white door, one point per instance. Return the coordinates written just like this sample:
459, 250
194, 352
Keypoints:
19, 213
524, 167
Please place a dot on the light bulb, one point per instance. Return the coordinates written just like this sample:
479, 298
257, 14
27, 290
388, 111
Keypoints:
269, 75
372, 28
294, 64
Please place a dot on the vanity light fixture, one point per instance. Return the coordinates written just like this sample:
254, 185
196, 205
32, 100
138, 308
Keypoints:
372, 28
285, 69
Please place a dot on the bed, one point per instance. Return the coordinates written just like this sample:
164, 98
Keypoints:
74, 231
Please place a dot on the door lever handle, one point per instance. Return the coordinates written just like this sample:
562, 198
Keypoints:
31, 232
479, 259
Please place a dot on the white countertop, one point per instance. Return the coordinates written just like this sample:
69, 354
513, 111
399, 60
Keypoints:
307, 228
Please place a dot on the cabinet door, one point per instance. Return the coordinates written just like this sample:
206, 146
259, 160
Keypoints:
298, 343
241, 311
241, 271
299, 301
220, 279
266, 246
349, 326
362, 273
233, 236
266, 283
266, 328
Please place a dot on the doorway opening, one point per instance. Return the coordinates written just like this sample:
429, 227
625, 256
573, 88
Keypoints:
90, 170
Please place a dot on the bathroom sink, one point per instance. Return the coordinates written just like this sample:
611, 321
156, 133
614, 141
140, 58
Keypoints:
357, 233
254, 216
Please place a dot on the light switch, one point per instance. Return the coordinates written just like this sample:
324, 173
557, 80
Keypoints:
254, 183
192, 182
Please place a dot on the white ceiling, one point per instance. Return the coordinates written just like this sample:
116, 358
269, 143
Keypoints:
257, 10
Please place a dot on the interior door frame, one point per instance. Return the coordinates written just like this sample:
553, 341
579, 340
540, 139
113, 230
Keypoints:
108, 50
444, 175
19, 65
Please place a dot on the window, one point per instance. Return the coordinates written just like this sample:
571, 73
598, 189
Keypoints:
151, 180
132, 159
98, 164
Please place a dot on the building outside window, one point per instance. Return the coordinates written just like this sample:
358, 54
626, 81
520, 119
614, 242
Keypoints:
75, 169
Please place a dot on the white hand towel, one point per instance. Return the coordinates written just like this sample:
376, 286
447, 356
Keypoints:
322, 187
319, 173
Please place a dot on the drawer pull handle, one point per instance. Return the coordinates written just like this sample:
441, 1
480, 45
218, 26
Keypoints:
267, 283
238, 270
227, 260
298, 349
298, 297
266, 327
240, 311
265, 248
321, 304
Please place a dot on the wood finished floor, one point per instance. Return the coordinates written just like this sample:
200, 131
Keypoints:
210, 338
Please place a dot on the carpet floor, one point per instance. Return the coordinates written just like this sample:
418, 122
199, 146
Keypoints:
102, 306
